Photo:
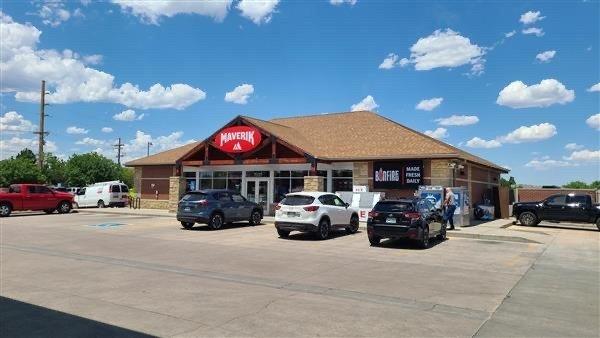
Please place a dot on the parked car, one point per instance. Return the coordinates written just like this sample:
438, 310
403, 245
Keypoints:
216, 207
558, 208
103, 194
34, 197
316, 212
416, 219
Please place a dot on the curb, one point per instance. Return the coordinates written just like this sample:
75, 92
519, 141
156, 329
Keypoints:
493, 237
122, 213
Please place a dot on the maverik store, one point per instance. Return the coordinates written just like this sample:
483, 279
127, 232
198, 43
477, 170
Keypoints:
264, 160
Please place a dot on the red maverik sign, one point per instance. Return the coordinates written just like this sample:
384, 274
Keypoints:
239, 139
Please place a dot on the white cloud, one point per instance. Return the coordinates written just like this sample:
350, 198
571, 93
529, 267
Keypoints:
548, 92
532, 133
547, 164
573, 146
477, 142
585, 156
69, 79
128, 115
53, 12
531, 17
533, 30
340, 2
446, 49
506, 166
389, 62
88, 141
438, 133
458, 120
546, 56
107, 130
76, 130
510, 34
14, 145
13, 122
137, 147
368, 103
151, 11
429, 104
259, 11
94, 59
240, 94
594, 121
594, 88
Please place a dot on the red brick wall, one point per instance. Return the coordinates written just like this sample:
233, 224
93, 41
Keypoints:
535, 194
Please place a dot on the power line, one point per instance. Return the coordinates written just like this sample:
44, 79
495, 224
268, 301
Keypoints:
42, 133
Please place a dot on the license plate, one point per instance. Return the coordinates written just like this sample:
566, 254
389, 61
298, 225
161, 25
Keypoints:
293, 214
390, 220
186, 209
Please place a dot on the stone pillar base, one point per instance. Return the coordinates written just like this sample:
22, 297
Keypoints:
314, 183
176, 191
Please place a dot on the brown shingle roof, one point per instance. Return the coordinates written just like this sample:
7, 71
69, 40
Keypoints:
166, 157
360, 135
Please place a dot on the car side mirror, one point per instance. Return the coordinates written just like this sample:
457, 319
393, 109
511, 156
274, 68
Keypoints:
347, 205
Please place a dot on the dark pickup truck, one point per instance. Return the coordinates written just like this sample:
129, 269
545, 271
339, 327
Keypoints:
558, 208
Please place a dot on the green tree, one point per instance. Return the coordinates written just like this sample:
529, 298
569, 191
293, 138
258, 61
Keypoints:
126, 176
27, 154
576, 185
84, 169
54, 170
595, 185
20, 170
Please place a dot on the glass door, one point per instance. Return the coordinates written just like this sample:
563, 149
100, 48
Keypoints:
257, 191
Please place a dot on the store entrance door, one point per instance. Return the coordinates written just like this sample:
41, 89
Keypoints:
257, 191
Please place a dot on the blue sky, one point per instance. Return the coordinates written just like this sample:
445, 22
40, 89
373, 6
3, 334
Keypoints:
517, 99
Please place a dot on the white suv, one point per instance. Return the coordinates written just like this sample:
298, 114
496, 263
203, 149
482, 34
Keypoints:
316, 212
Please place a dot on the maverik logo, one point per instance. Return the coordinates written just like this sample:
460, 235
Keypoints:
387, 175
238, 139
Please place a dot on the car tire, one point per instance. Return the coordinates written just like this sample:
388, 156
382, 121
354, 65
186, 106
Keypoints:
354, 224
323, 229
64, 207
216, 221
101, 204
528, 218
598, 223
5, 210
283, 233
255, 217
49, 211
187, 225
374, 240
442, 236
424, 243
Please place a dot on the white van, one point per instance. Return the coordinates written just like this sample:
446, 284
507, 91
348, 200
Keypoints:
103, 194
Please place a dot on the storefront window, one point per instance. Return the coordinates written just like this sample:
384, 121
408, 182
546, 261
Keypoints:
234, 184
257, 174
205, 184
341, 180
190, 181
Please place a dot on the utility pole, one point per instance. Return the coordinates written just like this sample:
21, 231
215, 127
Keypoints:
148, 152
118, 146
42, 133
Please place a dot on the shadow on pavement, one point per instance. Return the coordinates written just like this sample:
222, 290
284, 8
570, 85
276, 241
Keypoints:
227, 226
404, 243
18, 319
308, 236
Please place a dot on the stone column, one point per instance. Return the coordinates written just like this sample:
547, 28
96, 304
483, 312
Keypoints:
441, 174
176, 191
137, 180
314, 183
360, 174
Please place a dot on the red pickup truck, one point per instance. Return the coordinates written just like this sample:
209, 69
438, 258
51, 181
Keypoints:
34, 197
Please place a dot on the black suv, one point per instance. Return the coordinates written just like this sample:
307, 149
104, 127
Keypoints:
558, 208
417, 219
216, 207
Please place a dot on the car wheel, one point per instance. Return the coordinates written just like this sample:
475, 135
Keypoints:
255, 218
528, 219
323, 229
101, 204
283, 233
187, 225
49, 211
598, 223
5, 210
216, 222
374, 240
64, 207
442, 236
354, 224
425, 239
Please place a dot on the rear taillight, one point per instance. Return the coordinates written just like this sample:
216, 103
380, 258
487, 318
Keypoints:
373, 214
278, 206
201, 202
312, 208
412, 215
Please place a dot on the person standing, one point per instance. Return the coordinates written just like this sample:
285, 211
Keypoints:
450, 207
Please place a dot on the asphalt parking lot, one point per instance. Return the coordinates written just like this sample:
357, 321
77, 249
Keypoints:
122, 275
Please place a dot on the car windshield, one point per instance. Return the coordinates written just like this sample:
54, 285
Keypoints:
124, 188
298, 200
192, 197
394, 206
